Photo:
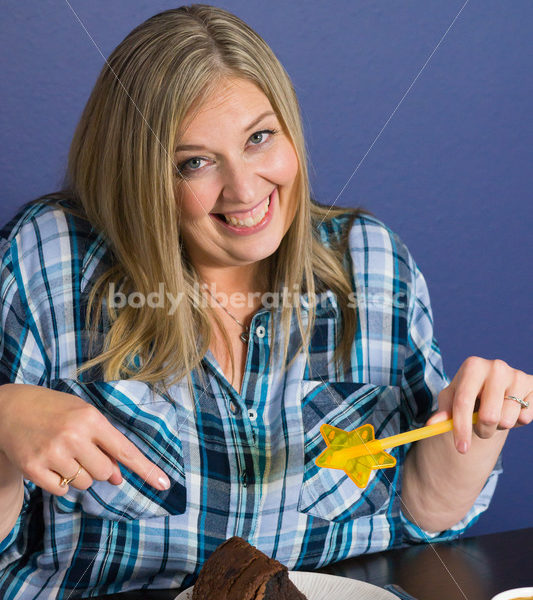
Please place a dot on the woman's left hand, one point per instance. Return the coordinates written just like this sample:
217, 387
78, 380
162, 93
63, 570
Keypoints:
482, 385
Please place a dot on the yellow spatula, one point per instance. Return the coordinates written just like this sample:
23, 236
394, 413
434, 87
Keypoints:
357, 452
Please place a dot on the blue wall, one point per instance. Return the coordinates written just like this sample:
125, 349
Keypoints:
451, 171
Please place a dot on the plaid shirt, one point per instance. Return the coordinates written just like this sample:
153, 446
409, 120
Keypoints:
239, 464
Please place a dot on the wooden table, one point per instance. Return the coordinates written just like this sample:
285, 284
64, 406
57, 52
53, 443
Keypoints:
474, 568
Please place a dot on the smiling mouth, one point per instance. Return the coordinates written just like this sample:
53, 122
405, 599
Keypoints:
248, 219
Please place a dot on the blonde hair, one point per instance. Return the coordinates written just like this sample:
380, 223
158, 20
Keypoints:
122, 179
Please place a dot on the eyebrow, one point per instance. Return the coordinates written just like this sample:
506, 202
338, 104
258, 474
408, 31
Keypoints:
250, 126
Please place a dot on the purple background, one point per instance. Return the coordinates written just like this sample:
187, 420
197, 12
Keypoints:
451, 171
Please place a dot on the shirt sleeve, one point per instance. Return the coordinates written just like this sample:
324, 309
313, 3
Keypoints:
423, 378
22, 356
21, 361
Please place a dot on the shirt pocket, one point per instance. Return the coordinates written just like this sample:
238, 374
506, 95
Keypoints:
147, 419
329, 493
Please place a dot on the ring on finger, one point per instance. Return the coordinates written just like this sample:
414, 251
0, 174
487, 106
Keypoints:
64, 481
523, 403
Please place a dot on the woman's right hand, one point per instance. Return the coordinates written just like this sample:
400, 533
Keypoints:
47, 435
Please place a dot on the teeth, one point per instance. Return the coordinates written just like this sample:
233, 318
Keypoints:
249, 221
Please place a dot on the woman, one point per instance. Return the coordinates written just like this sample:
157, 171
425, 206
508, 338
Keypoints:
181, 318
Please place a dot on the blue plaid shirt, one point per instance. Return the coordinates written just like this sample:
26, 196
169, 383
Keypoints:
239, 464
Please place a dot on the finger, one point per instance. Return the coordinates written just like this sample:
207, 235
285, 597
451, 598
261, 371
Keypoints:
96, 462
466, 393
47, 479
114, 443
491, 400
512, 407
526, 414
82, 482
50, 481
116, 476
510, 412
438, 417
68, 468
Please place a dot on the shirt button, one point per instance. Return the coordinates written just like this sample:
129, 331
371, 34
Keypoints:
260, 331
252, 414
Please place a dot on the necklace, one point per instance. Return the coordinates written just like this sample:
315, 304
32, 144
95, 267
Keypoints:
245, 334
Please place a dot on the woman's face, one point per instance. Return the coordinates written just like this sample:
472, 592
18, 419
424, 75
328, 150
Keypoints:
239, 169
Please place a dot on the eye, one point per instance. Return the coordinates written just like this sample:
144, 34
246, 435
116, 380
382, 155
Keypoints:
192, 164
260, 135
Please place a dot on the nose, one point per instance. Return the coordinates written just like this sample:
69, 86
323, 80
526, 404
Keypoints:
240, 184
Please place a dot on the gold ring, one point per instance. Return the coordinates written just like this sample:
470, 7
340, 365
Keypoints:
523, 403
64, 481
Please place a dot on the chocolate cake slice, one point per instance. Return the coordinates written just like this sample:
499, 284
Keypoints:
238, 571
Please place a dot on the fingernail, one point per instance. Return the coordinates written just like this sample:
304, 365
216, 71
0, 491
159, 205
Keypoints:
462, 447
438, 417
164, 482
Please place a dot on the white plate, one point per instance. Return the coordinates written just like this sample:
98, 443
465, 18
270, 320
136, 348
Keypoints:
513, 594
317, 586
